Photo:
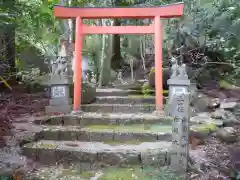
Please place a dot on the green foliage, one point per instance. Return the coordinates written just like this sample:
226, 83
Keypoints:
147, 90
211, 23
137, 173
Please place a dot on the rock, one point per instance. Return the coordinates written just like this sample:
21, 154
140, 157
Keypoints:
166, 76
236, 111
218, 114
228, 105
147, 89
214, 103
131, 85
227, 134
228, 118
199, 132
202, 103
205, 119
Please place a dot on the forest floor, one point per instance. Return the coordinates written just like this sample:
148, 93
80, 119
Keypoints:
18, 108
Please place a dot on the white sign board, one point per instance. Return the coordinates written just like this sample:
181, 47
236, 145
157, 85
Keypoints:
58, 91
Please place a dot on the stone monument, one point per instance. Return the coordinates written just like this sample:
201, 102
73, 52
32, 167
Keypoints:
178, 108
59, 87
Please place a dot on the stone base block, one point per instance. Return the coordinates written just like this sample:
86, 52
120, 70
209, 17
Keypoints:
58, 109
60, 102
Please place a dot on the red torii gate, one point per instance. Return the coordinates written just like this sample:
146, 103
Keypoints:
167, 11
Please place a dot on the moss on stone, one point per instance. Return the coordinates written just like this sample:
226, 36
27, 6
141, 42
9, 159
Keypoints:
205, 128
138, 173
46, 146
74, 172
154, 128
121, 174
125, 142
225, 85
139, 96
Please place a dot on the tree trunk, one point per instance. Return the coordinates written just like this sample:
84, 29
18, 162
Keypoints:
116, 42
116, 48
105, 62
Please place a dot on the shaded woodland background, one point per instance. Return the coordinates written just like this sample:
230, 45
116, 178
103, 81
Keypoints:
208, 32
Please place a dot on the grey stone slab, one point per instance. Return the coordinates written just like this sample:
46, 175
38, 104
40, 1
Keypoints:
60, 101
69, 135
114, 92
71, 152
50, 134
154, 157
58, 109
124, 100
47, 156
56, 120
119, 108
73, 133
93, 118
30, 152
124, 136
71, 120
101, 136
84, 136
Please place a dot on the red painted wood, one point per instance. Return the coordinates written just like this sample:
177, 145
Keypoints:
168, 11
78, 65
118, 29
158, 40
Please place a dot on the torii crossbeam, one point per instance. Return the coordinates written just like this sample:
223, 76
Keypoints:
156, 13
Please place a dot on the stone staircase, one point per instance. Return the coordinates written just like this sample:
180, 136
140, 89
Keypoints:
118, 129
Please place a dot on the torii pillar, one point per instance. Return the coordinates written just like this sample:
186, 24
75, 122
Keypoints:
156, 13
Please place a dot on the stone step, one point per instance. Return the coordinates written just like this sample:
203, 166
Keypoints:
108, 133
123, 108
91, 118
71, 152
132, 99
115, 92
90, 172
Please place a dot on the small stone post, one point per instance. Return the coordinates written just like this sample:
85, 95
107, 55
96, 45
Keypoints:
59, 88
178, 108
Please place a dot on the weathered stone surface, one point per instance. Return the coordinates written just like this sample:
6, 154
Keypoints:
228, 105
114, 92
68, 135
125, 100
50, 134
47, 156
116, 108
101, 136
92, 118
70, 120
73, 133
93, 152
58, 109
124, 136
227, 134
135, 85
205, 118
56, 120
202, 103
228, 118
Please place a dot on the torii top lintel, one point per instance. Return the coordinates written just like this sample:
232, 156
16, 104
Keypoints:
166, 11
